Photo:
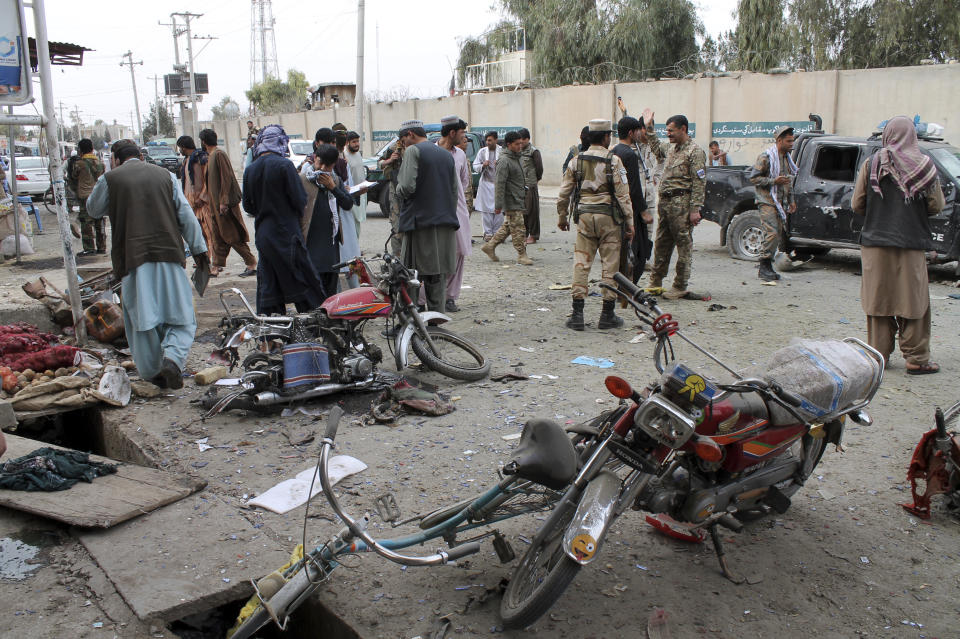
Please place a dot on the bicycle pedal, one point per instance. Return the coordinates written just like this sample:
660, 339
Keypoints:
387, 508
503, 548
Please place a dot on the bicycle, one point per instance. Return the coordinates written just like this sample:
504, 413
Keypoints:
542, 465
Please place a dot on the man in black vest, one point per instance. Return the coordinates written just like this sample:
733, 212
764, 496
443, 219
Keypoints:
150, 219
427, 190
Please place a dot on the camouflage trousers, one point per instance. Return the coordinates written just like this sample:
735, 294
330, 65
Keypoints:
397, 240
512, 226
772, 227
596, 233
673, 230
92, 233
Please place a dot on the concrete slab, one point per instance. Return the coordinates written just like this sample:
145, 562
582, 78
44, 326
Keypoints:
105, 502
186, 558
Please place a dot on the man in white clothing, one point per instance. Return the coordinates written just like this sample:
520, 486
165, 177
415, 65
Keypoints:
486, 165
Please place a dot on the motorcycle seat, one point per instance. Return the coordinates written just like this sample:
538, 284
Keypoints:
545, 455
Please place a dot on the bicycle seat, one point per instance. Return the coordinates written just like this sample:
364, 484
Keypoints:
545, 455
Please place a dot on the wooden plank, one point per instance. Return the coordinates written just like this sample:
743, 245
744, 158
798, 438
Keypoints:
130, 492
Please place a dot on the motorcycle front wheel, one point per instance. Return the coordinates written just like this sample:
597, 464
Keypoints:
540, 577
456, 357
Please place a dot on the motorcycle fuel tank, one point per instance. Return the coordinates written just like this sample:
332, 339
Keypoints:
364, 302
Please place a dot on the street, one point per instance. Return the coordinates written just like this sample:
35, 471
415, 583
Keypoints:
844, 561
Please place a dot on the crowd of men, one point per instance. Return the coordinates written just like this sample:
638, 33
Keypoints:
308, 220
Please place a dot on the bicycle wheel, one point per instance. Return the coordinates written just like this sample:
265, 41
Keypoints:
49, 201
458, 358
540, 577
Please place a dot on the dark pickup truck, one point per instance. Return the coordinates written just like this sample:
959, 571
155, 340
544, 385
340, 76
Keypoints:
823, 190
380, 192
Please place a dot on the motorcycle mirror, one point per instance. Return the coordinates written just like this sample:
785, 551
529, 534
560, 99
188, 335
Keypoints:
618, 387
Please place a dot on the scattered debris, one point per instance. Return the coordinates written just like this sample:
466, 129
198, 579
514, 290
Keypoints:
599, 362
210, 375
291, 493
716, 307
509, 377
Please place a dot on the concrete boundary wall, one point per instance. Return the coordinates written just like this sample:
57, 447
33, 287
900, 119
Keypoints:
739, 111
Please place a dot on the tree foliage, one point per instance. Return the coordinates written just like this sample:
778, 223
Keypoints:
761, 35
159, 122
275, 96
219, 110
570, 41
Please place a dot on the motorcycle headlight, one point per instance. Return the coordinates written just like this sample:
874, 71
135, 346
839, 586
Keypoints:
665, 422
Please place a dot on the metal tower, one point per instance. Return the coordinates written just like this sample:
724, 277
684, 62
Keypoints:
263, 46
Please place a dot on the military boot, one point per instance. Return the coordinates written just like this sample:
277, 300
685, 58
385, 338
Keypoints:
576, 317
609, 319
766, 271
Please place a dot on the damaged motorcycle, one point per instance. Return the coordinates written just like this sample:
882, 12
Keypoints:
694, 453
935, 467
325, 351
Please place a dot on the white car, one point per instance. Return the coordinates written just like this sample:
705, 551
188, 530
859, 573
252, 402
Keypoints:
33, 178
299, 150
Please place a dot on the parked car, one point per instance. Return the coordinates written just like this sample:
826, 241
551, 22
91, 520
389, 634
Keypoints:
380, 193
33, 176
299, 150
161, 155
823, 189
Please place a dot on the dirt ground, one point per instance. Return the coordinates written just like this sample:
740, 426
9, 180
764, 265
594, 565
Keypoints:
844, 561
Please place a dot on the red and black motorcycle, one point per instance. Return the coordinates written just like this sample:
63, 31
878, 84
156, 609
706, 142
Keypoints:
692, 452
325, 351
935, 467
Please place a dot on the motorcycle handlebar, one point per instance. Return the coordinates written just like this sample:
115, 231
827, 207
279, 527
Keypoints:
333, 422
339, 266
627, 285
789, 397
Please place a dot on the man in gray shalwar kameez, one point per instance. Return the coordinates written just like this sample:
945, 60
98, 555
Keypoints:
150, 219
427, 189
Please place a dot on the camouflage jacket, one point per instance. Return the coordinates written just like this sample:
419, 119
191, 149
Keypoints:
684, 170
595, 190
762, 181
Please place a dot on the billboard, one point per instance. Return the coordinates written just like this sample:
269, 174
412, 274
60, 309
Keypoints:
15, 86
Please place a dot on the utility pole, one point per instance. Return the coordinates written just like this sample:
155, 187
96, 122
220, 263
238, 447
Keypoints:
193, 85
176, 64
156, 87
136, 101
358, 101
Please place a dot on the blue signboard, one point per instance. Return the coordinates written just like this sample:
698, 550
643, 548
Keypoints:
15, 85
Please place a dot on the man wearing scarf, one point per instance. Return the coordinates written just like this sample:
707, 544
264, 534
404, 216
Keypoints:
193, 179
898, 190
273, 194
227, 230
329, 205
150, 219
772, 176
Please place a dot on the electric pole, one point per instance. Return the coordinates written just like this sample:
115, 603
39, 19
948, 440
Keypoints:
156, 86
193, 85
358, 100
133, 79
176, 64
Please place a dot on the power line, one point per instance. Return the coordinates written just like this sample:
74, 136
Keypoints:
133, 79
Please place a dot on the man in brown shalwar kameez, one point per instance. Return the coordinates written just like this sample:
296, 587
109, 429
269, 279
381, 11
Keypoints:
898, 190
227, 230
193, 178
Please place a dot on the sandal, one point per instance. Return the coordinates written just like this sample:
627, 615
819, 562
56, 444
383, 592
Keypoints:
928, 368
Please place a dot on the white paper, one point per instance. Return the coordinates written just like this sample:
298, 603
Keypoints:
365, 184
227, 381
291, 493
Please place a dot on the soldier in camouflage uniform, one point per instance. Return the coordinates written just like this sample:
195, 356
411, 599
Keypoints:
595, 186
510, 199
679, 200
391, 169
772, 176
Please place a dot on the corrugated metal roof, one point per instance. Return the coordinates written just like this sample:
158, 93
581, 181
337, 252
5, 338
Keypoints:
62, 53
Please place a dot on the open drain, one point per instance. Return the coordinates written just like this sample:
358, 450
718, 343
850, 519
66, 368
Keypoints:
311, 620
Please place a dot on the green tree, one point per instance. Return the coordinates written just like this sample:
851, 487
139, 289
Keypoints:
761, 34
888, 33
159, 122
573, 41
218, 110
275, 96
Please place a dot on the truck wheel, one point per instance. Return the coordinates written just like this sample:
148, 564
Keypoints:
745, 236
385, 200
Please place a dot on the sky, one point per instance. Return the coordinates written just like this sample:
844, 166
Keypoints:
409, 46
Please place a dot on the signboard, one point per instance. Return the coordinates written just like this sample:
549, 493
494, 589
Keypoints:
179, 83
756, 129
15, 85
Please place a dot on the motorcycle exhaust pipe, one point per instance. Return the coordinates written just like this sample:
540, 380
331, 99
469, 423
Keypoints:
596, 511
270, 398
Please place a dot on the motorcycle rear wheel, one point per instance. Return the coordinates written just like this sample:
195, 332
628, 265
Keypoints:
540, 578
813, 449
458, 358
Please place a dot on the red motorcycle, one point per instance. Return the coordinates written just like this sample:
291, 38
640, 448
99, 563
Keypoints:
935, 467
693, 452
325, 351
